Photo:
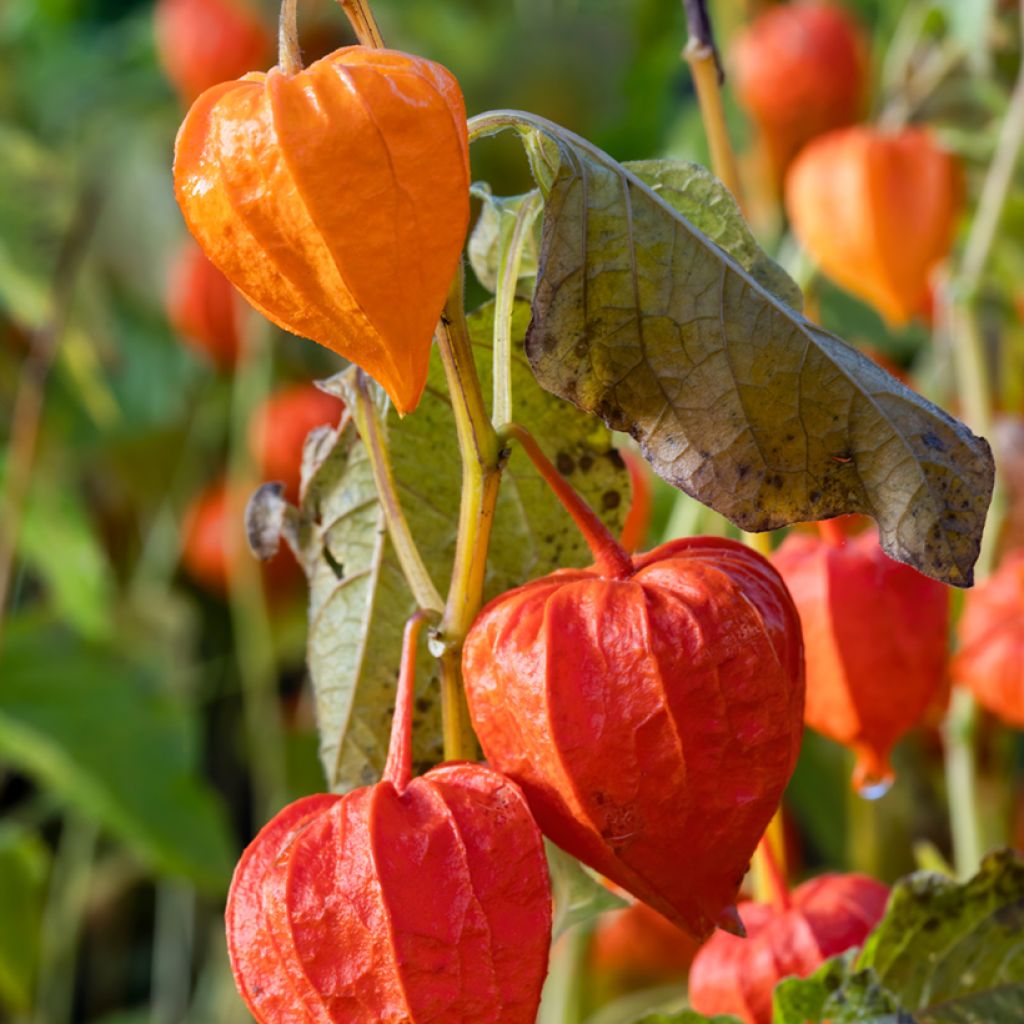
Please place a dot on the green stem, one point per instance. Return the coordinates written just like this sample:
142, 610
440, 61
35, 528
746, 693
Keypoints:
481, 475
368, 422
508, 276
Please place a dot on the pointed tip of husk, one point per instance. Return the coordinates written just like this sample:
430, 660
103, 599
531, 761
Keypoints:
729, 920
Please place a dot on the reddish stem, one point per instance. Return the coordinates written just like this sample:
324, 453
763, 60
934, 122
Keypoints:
610, 558
776, 880
832, 532
398, 769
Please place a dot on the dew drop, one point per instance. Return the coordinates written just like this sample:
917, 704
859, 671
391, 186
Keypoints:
872, 788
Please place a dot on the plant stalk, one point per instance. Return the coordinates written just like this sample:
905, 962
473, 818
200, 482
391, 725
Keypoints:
508, 275
770, 867
398, 768
610, 559
368, 422
481, 475
363, 23
702, 56
289, 53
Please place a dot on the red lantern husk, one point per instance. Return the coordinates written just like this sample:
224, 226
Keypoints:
875, 642
419, 900
823, 917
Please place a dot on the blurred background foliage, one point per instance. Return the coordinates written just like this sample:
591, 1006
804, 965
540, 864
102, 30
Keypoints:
131, 696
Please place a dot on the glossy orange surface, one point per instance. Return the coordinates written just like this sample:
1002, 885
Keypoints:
652, 721
799, 69
875, 637
825, 916
336, 200
990, 659
201, 43
877, 211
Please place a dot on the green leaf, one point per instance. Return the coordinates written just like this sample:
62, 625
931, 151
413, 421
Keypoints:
945, 953
735, 398
93, 728
687, 1017
24, 862
359, 601
59, 542
578, 896
949, 950
491, 231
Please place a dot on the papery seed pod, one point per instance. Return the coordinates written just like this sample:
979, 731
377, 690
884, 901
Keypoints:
336, 199
821, 918
201, 43
877, 211
278, 429
647, 713
638, 947
203, 307
414, 900
990, 658
875, 639
646, 706
799, 69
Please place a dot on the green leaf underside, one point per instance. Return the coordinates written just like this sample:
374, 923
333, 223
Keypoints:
734, 396
945, 953
91, 726
491, 232
359, 601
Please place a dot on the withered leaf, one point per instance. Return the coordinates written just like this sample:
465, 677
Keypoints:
733, 395
359, 600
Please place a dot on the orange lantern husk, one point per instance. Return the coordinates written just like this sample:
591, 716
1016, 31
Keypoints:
336, 199
877, 211
875, 638
799, 70
990, 659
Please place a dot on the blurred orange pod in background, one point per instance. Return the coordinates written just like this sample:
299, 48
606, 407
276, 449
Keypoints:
799, 70
278, 430
877, 211
990, 661
203, 307
201, 43
213, 538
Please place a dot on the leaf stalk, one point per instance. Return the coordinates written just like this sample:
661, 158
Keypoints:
368, 422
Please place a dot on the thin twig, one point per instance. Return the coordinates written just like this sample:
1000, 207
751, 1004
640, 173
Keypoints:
698, 24
413, 568
363, 23
35, 371
706, 67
